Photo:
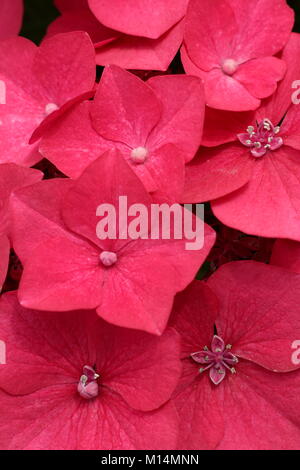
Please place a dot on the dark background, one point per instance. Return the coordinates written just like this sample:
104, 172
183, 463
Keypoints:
39, 13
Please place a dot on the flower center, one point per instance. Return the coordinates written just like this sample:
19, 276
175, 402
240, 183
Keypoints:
261, 138
50, 108
108, 258
230, 66
139, 155
218, 359
87, 386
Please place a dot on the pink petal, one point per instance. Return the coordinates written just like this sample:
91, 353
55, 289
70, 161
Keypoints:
157, 429
11, 14
36, 215
270, 70
217, 374
127, 375
264, 29
209, 30
201, 357
182, 117
276, 106
200, 415
139, 17
267, 205
74, 144
62, 275
65, 66
194, 314
54, 424
221, 127
217, 344
254, 402
217, 171
225, 92
155, 173
125, 108
14, 177
259, 313
133, 52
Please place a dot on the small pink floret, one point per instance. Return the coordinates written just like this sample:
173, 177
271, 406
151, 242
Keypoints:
108, 258
230, 66
261, 138
218, 359
139, 154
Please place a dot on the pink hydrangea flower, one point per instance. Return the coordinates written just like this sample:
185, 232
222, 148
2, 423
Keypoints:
131, 283
240, 381
40, 84
134, 34
253, 182
156, 125
11, 15
286, 254
12, 177
73, 382
231, 45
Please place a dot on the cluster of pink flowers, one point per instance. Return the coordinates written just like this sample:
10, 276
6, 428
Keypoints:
113, 343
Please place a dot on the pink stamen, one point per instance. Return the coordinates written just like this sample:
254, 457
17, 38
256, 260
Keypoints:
217, 359
88, 386
261, 138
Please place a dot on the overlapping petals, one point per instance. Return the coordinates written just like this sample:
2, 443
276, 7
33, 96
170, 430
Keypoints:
255, 311
40, 84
